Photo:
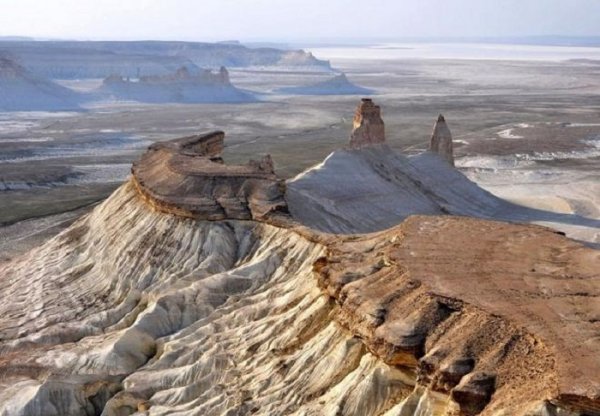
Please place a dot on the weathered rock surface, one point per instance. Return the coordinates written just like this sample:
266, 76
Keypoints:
367, 128
441, 140
496, 315
187, 177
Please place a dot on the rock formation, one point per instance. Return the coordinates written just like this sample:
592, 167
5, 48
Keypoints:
441, 140
187, 177
182, 86
368, 127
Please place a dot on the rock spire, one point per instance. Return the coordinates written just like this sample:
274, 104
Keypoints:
441, 140
368, 127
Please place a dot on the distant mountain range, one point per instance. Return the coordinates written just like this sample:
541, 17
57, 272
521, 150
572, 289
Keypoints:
100, 59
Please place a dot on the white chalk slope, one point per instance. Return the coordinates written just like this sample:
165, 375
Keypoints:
130, 309
374, 188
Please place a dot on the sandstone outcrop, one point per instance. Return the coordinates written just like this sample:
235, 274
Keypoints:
368, 127
187, 177
441, 140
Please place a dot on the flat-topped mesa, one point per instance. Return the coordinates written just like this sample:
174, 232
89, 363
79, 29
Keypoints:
368, 127
441, 140
187, 177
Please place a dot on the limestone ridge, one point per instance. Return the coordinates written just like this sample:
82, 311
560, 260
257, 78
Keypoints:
187, 177
368, 127
441, 140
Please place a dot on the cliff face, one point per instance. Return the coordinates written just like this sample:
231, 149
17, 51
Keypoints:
136, 310
187, 177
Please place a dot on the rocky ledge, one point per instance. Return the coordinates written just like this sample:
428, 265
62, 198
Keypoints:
187, 177
499, 316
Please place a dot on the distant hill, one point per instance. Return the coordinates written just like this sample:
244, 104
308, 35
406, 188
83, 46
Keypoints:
20, 90
76, 60
338, 85
180, 87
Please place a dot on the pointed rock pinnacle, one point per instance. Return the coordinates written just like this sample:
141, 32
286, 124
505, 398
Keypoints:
441, 140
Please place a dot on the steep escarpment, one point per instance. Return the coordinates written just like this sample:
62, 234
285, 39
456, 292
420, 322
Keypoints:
134, 310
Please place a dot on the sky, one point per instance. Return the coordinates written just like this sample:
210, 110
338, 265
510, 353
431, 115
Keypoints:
296, 20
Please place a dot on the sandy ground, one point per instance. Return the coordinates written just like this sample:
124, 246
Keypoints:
526, 130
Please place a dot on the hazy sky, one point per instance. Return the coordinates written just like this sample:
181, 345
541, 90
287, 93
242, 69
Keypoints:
285, 20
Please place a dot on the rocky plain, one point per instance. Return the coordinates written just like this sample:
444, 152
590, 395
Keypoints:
429, 250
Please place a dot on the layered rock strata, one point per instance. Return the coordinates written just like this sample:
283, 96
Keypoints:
367, 127
441, 140
187, 177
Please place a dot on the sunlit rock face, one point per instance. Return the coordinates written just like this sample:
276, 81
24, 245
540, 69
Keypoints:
367, 127
441, 140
